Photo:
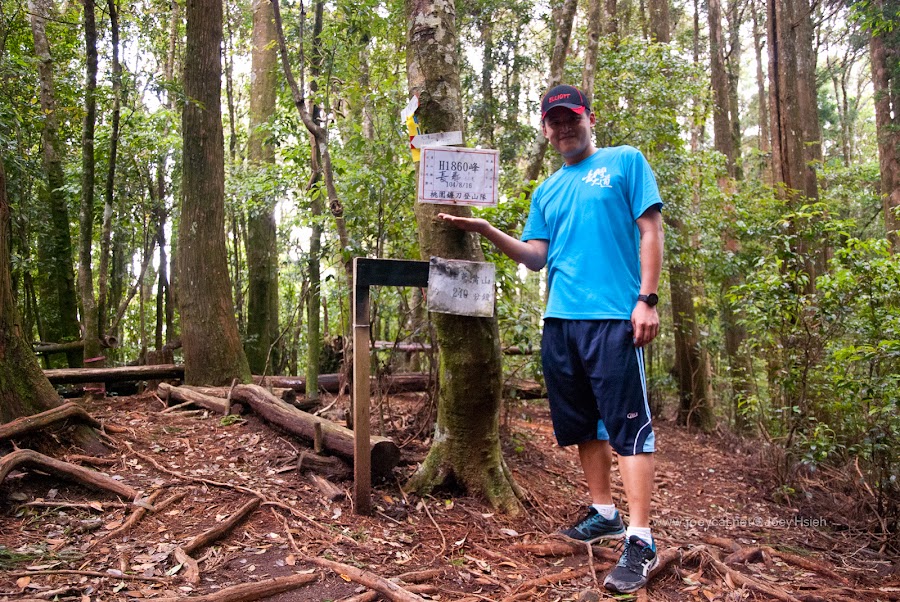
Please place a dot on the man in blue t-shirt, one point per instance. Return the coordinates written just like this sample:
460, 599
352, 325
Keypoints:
596, 225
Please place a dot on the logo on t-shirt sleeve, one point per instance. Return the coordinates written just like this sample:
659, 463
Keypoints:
598, 177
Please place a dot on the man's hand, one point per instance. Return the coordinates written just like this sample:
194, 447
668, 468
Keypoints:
645, 321
469, 224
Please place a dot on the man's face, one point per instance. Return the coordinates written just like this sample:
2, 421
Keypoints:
569, 133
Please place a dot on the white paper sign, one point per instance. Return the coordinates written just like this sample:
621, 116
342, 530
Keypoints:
459, 176
464, 288
438, 139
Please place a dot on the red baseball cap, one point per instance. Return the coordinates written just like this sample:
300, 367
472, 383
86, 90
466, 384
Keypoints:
565, 96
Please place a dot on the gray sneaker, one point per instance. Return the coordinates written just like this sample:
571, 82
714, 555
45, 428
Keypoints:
593, 527
630, 574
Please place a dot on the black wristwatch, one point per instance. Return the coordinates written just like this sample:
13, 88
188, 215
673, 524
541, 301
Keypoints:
652, 299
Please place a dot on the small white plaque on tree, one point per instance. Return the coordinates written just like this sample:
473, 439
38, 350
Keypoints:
459, 176
464, 288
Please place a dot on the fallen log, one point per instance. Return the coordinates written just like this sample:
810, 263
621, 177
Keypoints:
337, 439
287, 394
64, 376
28, 424
190, 395
90, 478
106, 342
330, 383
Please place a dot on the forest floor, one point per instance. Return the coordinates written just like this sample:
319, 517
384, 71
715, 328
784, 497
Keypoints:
716, 523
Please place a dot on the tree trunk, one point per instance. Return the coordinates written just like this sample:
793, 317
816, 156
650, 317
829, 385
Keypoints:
719, 77
91, 325
765, 135
659, 21
212, 349
787, 95
24, 390
106, 233
466, 446
262, 250
563, 19
886, 79
594, 31
56, 281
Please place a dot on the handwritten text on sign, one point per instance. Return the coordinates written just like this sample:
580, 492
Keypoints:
459, 176
464, 288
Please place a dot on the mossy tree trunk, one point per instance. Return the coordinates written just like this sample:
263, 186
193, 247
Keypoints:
24, 390
213, 354
466, 449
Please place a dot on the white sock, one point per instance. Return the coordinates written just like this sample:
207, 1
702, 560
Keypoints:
607, 511
642, 532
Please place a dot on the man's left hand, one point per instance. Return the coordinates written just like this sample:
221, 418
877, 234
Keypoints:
645, 321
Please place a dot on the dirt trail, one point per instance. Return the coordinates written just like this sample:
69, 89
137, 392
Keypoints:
716, 525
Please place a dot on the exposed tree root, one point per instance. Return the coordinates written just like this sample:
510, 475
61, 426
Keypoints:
35, 422
527, 586
90, 478
565, 548
222, 529
117, 575
385, 587
246, 592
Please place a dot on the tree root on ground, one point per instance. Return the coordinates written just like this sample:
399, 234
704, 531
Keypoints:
246, 592
89, 478
29, 424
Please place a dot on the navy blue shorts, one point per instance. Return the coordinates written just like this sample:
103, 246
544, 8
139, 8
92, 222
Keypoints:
596, 384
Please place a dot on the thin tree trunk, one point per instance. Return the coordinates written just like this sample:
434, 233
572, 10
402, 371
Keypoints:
262, 250
562, 22
106, 233
56, 281
594, 31
765, 134
466, 444
887, 121
721, 123
321, 136
89, 318
212, 349
733, 70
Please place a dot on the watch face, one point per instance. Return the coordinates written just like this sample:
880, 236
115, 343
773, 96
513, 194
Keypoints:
652, 299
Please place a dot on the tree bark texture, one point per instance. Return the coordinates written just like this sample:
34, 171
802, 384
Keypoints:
789, 168
592, 44
886, 79
724, 142
467, 440
212, 349
89, 319
56, 280
765, 135
262, 251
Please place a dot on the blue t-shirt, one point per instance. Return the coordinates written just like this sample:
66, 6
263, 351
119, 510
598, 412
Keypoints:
587, 212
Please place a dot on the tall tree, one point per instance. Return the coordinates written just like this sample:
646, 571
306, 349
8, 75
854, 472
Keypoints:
89, 318
691, 360
56, 280
466, 444
765, 136
262, 251
885, 50
212, 348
